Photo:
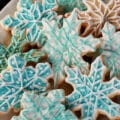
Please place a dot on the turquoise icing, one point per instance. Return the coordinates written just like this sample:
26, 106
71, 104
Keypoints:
36, 22
66, 5
56, 95
69, 5
49, 4
28, 18
15, 47
91, 93
20, 62
18, 79
64, 46
110, 48
31, 13
24, 4
44, 108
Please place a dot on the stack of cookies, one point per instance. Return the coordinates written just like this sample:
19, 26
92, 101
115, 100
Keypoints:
60, 60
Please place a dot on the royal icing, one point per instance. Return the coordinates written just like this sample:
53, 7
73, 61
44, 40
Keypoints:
18, 79
91, 93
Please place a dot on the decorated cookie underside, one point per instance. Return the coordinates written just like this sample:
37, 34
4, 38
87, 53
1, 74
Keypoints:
90, 93
38, 107
65, 47
15, 47
97, 14
18, 78
110, 49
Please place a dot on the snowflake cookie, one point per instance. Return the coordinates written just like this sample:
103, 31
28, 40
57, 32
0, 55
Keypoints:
49, 4
28, 18
18, 39
110, 48
38, 107
64, 46
64, 5
18, 78
90, 93
98, 13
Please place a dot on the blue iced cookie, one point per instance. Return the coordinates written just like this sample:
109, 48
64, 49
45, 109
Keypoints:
91, 94
38, 107
28, 17
64, 46
19, 78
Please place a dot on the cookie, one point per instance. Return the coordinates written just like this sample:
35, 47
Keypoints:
91, 94
64, 46
63, 31
19, 78
28, 18
37, 107
16, 47
97, 14
5, 36
110, 49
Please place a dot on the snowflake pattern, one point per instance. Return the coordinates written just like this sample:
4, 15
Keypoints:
29, 18
98, 13
37, 107
110, 49
91, 93
18, 78
18, 39
64, 5
64, 46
